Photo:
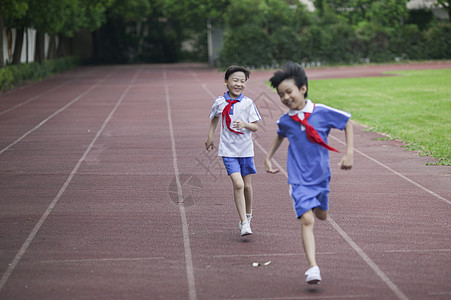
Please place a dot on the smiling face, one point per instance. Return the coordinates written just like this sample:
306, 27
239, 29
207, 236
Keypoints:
236, 84
290, 95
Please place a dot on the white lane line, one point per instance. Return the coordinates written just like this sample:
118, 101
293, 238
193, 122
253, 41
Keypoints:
95, 260
368, 260
12, 266
417, 251
271, 254
439, 293
34, 97
306, 297
186, 241
397, 173
76, 99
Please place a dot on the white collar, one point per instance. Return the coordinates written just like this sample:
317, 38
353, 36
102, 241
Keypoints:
308, 108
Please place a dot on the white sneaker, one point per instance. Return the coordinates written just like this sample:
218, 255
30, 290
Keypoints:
245, 228
249, 217
312, 275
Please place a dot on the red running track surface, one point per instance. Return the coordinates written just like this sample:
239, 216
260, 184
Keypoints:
107, 192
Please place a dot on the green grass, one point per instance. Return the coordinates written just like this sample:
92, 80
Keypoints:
412, 106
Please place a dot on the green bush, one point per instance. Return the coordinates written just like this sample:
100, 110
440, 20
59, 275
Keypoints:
438, 41
269, 33
249, 45
15, 75
328, 43
287, 45
408, 43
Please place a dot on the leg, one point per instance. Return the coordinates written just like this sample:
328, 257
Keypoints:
308, 239
320, 213
248, 193
238, 194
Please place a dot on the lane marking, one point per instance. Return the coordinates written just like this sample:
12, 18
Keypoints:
417, 251
306, 297
439, 293
12, 266
368, 260
271, 254
396, 173
186, 241
34, 97
76, 99
99, 260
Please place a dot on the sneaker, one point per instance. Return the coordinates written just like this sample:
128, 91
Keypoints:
312, 275
249, 217
245, 228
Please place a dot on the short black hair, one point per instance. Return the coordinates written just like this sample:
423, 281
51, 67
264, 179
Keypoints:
233, 69
293, 71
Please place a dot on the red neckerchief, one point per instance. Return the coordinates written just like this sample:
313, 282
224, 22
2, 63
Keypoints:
311, 132
226, 115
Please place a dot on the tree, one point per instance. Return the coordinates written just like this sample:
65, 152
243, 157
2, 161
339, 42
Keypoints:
382, 12
447, 5
122, 31
264, 33
63, 17
11, 14
188, 22
85, 14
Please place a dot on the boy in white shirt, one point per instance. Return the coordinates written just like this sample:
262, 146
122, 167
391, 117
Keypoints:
239, 118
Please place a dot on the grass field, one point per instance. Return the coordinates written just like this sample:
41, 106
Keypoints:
412, 106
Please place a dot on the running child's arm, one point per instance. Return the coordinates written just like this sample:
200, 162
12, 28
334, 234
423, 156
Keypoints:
274, 146
348, 160
249, 126
209, 144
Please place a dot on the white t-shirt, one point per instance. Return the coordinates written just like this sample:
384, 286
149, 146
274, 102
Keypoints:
232, 144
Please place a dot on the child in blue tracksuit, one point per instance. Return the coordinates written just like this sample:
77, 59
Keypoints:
307, 126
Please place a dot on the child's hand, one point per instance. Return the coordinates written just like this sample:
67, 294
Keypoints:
239, 125
209, 144
269, 168
346, 162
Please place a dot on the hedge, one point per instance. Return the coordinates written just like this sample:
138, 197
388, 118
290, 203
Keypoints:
338, 43
15, 75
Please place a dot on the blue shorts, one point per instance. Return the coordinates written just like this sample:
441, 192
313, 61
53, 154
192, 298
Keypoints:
307, 197
243, 165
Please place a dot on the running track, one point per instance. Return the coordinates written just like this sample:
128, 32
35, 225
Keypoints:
107, 193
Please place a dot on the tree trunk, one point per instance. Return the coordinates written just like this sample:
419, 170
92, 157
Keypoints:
27, 45
2, 61
39, 54
64, 46
18, 46
94, 45
52, 47
60, 49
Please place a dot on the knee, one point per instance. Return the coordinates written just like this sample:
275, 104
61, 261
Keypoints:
308, 219
237, 186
